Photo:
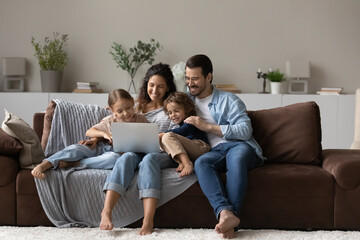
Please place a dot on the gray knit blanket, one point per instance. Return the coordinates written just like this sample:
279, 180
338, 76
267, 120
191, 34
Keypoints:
74, 197
70, 122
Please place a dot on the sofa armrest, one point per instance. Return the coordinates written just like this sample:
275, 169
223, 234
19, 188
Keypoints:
344, 165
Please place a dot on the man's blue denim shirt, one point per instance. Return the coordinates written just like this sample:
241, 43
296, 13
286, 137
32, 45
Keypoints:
229, 111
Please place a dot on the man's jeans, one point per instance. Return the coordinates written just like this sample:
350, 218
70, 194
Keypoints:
234, 158
101, 157
149, 177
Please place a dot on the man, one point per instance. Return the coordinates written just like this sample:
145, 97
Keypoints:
222, 115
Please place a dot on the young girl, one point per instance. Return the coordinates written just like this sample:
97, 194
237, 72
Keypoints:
186, 143
88, 152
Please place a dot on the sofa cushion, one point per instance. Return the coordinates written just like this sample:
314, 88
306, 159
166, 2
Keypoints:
8, 145
32, 153
290, 134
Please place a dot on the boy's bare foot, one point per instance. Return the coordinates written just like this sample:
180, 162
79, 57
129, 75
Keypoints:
39, 170
146, 229
188, 168
106, 221
180, 167
64, 164
228, 221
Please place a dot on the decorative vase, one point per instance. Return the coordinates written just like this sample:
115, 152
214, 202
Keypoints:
275, 87
51, 80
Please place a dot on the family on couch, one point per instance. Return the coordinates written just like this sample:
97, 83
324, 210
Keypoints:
221, 115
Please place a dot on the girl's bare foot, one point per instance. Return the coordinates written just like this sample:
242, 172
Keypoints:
188, 168
146, 228
228, 221
180, 167
64, 164
39, 170
106, 221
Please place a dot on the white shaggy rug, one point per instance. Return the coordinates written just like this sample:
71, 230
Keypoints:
50, 233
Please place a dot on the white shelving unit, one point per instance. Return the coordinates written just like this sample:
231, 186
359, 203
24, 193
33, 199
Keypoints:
337, 112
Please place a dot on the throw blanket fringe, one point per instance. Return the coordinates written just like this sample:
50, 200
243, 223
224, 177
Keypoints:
73, 198
70, 123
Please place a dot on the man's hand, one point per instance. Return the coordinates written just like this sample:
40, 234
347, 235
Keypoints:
198, 122
204, 126
91, 143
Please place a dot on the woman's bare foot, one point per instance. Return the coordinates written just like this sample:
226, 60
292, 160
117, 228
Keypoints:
188, 168
227, 222
146, 228
106, 221
180, 167
64, 164
39, 170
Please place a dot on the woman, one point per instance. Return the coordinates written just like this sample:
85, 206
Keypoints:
157, 85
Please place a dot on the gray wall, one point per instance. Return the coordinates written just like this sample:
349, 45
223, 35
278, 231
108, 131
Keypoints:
239, 36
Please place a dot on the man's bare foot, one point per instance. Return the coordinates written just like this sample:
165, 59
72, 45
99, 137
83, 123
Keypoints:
227, 222
180, 167
106, 221
188, 168
146, 228
64, 164
39, 170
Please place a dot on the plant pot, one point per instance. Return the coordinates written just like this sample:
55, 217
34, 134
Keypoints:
275, 87
51, 80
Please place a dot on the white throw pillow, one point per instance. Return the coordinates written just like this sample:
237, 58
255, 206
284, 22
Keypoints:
32, 153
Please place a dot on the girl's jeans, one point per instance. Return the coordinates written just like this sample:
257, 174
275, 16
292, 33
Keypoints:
149, 177
101, 157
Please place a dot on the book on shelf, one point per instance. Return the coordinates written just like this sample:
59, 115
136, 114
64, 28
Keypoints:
94, 90
330, 91
87, 85
228, 88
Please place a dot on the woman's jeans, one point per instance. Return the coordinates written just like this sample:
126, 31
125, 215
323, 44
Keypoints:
234, 158
149, 177
101, 157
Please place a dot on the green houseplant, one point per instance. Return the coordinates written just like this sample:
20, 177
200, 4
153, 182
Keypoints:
52, 59
131, 60
275, 78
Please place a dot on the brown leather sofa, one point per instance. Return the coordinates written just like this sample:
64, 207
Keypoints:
300, 186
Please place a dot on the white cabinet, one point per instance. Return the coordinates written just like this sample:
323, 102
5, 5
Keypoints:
84, 98
23, 105
254, 101
337, 112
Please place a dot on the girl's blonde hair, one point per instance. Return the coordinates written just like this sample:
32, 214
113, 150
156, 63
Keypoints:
183, 100
117, 94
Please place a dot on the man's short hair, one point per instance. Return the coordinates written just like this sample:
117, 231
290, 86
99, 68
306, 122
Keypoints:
203, 61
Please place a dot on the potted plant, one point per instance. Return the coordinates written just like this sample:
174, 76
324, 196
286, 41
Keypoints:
131, 60
52, 60
275, 78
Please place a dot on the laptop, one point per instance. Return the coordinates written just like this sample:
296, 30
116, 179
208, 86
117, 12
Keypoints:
135, 137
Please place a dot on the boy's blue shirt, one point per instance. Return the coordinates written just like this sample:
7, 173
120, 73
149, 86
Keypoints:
190, 131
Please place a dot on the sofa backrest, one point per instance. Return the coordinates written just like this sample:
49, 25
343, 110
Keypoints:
290, 134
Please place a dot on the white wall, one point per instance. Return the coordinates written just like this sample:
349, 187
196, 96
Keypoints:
238, 35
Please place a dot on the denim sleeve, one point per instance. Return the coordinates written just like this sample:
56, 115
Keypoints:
236, 124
